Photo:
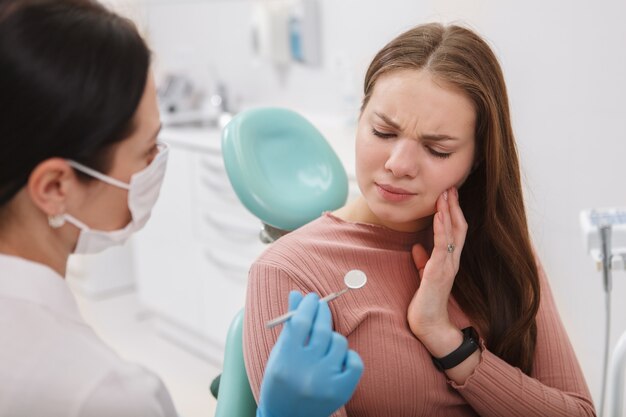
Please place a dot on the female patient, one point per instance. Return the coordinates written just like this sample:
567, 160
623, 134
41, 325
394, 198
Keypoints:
457, 318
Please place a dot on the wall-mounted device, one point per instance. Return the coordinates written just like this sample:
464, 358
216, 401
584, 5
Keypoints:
304, 32
286, 32
270, 42
592, 222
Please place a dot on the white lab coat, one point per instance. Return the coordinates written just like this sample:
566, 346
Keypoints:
52, 363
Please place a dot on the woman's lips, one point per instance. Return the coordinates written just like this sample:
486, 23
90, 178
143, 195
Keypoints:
393, 193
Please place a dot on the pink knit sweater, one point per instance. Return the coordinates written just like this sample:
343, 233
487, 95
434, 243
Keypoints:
399, 378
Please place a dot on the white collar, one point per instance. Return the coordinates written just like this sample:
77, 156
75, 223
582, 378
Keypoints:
37, 283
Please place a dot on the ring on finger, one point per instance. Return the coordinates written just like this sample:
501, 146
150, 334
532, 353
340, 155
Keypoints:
451, 247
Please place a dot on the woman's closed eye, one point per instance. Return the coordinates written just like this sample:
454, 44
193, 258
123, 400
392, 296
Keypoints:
437, 154
383, 135
432, 151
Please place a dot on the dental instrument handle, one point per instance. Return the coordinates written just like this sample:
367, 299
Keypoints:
280, 319
283, 318
331, 297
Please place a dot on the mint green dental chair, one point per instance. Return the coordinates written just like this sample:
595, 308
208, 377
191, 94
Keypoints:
285, 173
282, 169
232, 386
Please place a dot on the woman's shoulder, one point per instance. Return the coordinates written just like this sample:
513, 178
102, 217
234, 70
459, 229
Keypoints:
329, 232
301, 256
313, 236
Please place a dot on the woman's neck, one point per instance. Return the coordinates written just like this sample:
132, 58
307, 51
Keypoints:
359, 211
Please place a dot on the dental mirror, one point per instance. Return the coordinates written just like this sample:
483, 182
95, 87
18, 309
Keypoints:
353, 279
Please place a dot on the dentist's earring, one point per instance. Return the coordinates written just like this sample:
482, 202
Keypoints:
56, 221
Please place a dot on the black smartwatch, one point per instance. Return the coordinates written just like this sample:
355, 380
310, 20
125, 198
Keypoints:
469, 346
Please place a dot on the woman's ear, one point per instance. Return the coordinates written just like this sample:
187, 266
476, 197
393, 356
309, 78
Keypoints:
48, 185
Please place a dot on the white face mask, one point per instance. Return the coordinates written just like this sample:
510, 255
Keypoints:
143, 192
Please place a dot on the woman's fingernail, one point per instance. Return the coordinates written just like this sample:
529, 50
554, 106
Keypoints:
440, 216
456, 192
445, 195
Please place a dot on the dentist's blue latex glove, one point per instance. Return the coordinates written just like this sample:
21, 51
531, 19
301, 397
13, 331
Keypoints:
310, 372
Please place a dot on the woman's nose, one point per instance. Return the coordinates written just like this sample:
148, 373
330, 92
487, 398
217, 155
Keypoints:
403, 159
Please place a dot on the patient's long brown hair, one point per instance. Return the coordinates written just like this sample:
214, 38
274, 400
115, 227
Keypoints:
498, 283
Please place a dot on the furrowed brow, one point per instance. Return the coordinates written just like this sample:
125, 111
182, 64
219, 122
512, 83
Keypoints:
388, 120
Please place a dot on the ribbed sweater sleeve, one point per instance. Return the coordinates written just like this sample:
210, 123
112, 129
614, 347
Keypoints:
556, 386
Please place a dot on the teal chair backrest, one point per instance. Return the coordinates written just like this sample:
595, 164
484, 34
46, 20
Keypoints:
234, 395
282, 168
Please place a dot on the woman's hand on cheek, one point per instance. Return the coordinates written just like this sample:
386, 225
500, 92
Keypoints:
428, 312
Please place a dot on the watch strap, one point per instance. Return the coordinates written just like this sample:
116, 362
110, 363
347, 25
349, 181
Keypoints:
468, 346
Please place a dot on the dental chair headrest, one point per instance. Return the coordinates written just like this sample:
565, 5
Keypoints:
281, 167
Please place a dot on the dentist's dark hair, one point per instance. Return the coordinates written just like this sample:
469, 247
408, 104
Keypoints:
497, 285
72, 74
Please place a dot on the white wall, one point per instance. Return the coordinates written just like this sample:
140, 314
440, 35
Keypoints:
564, 62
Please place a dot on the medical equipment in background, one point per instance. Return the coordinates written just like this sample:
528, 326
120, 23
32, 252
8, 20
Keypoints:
286, 32
604, 231
285, 173
179, 99
183, 102
304, 33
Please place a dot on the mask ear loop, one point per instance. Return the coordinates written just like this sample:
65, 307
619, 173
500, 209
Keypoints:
73, 220
57, 221
98, 175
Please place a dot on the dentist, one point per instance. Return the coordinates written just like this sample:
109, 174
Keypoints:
80, 170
